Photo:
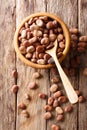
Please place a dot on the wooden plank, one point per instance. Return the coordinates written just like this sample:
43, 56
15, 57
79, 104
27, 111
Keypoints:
82, 24
7, 63
66, 10
36, 121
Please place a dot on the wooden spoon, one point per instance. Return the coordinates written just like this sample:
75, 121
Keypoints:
72, 96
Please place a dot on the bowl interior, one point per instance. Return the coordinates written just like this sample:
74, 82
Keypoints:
66, 34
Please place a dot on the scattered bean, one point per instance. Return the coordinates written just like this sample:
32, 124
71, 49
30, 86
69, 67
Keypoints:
59, 110
14, 89
62, 99
36, 75
48, 108
32, 85
21, 106
57, 94
15, 73
25, 113
50, 101
55, 127
47, 115
81, 99
60, 117
42, 95
55, 103
53, 88
68, 108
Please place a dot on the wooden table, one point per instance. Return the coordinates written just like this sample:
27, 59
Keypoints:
12, 12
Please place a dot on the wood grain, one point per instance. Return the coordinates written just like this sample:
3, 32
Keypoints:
82, 24
11, 14
7, 63
64, 9
35, 107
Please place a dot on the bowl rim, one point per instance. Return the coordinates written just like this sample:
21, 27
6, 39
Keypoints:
65, 31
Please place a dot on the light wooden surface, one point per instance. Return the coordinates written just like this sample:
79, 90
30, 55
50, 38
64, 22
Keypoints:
12, 12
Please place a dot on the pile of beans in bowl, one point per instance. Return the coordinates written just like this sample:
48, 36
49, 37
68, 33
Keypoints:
37, 35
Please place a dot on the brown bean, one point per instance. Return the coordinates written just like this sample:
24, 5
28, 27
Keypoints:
73, 45
55, 103
41, 55
50, 46
83, 38
55, 23
61, 45
30, 20
22, 49
25, 113
59, 110
46, 57
14, 88
60, 117
32, 40
55, 79
26, 25
41, 61
48, 108
57, 94
14, 73
23, 33
74, 30
60, 30
46, 31
45, 35
50, 101
27, 96
68, 108
42, 95
28, 35
59, 54
82, 44
81, 99
26, 43
53, 88
60, 37
78, 92
35, 55
47, 115
51, 61
62, 99
74, 37
34, 27
34, 60
30, 49
39, 22
28, 55
37, 33
45, 41
21, 106
40, 49
32, 85
36, 75
44, 18
55, 127
81, 49
52, 37
49, 25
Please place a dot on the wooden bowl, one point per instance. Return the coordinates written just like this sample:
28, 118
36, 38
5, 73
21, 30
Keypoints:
65, 31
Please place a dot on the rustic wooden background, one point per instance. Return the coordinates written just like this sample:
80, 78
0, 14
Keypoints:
12, 12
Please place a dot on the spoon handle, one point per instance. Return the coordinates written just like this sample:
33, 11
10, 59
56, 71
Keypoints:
72, 96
